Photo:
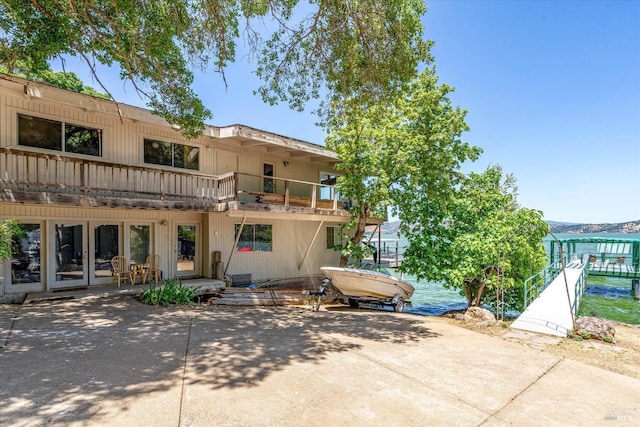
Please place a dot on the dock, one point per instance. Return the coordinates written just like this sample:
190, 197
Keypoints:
553, 296
553, 311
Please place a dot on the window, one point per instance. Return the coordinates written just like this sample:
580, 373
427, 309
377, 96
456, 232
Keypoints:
106, 242
81, 140
254, 238
328, 181
333, 237
53, 135
171, 154
267, 183
25, 255
139, 242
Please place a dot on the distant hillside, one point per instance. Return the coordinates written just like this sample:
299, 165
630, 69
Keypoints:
622, 227
558, 227
390, 227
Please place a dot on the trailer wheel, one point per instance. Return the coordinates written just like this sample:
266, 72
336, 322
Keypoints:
398, 307
353, 303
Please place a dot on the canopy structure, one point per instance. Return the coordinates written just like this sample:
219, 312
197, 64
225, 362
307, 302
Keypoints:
611, 257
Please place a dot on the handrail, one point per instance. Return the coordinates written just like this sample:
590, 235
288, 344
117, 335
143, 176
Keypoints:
306, 194
84, 160
537, 283
534, 285
580, 285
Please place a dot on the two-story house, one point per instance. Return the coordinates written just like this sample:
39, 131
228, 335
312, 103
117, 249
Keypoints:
90, 179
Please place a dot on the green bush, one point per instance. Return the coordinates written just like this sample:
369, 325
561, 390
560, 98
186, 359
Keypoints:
172, 293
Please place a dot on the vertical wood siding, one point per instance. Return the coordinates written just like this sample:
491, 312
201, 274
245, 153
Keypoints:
290, 241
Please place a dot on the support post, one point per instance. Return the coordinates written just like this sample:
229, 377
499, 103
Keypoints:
235, 244
379, 253
635, 288
286, 193
310, 244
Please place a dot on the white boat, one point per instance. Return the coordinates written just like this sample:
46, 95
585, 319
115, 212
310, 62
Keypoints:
359, 284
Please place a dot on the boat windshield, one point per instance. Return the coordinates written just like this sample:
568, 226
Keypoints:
373, 267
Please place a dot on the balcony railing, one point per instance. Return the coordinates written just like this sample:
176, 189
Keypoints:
32, 176
286, 192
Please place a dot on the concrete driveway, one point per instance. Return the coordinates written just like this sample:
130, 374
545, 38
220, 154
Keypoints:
114, 361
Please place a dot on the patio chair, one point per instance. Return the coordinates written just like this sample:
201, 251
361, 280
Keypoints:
152, 268
120, 270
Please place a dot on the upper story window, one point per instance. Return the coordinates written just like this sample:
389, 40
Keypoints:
267, 183
54, 135
327, 189
171, 154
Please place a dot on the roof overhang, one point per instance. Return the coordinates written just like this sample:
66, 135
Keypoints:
279, 144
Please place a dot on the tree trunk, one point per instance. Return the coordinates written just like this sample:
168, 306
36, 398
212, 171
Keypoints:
477, 300
474, 293
468, 293
361, 228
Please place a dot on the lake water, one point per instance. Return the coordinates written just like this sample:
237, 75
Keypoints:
608, 298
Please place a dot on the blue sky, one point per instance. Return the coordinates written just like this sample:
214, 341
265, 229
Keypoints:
552, 90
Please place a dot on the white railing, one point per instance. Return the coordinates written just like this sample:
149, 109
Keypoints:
287, 192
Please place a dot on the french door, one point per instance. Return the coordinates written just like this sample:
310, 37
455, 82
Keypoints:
187, 250
24, 267
82, 252
68, 245
104, 244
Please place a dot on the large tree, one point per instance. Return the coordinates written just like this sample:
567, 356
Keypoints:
392, 149
337, 48
477, 240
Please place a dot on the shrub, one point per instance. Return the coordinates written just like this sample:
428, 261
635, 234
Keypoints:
171, 293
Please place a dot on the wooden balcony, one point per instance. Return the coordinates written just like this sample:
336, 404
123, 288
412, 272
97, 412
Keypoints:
43, 178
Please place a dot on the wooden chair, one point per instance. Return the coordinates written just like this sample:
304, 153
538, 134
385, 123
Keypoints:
152, 268
121, 270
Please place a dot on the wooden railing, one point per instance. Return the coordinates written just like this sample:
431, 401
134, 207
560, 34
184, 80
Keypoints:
42, 172
33, 173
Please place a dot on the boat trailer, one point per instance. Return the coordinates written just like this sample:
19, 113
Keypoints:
397, 302
316, 296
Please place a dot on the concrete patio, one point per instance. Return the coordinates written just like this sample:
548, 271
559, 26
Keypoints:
104, 361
